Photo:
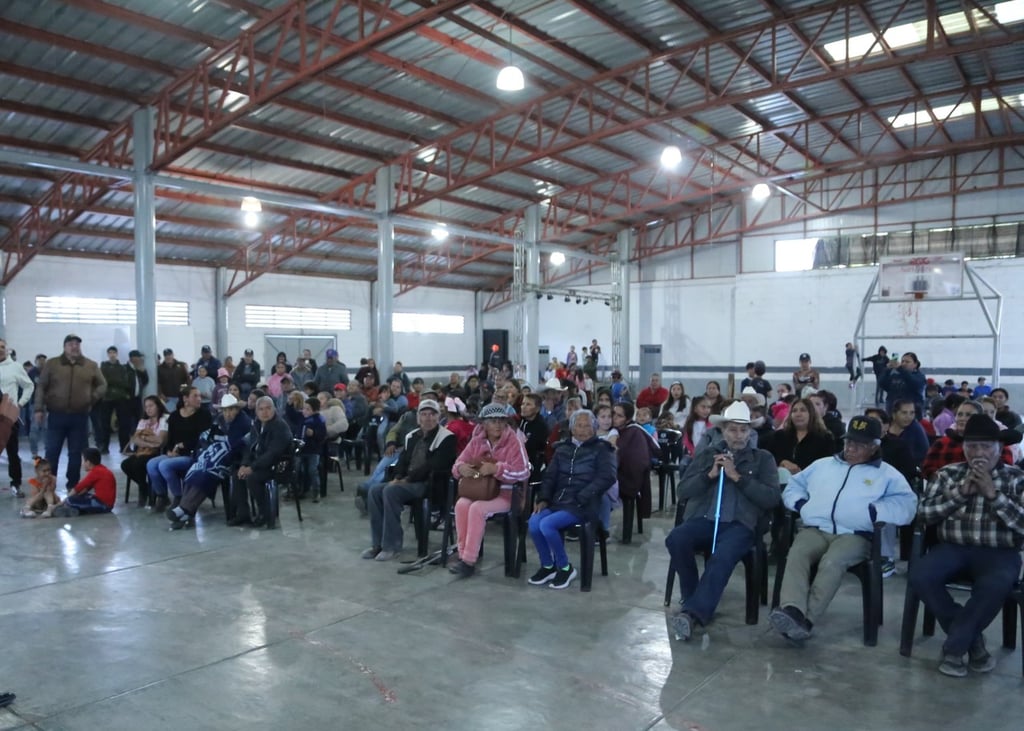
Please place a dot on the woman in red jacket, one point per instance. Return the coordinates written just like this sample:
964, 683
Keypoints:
497, 449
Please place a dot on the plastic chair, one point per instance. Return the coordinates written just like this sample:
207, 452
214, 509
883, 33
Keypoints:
868, 571
629, 507
671, 443
923, 538
755, 567
283, 473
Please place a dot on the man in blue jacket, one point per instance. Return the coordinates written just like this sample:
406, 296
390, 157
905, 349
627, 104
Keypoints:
839, 499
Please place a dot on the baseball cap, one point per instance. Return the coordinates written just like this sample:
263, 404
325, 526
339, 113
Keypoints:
168, 351
429, 404
331, 353
805, 356
70, 338
223, 373
135, 354
340, 387
248, 351
865, 429
207, 349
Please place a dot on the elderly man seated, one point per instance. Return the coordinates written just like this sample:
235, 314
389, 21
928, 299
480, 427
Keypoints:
978, 506
430, 449
270, 441
220, 446
839, 499
582, 470
749, 488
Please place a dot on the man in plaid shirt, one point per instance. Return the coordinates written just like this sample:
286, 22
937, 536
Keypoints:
978, 506
948, 448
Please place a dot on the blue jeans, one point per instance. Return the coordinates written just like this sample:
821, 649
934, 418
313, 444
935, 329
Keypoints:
166, 473
381, 470
307, 467
545, 530
87, 504
74, 428
992, 572
701, 593
171, 403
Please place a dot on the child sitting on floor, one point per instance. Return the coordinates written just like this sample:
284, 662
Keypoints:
43, 497
97, 491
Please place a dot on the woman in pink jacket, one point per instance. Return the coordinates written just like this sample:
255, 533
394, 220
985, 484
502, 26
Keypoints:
496, 448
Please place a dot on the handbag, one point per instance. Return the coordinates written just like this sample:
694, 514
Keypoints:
479, 488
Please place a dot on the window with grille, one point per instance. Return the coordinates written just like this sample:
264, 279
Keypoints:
297, 318
104, 311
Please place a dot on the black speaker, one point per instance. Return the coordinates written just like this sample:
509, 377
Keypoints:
492, 338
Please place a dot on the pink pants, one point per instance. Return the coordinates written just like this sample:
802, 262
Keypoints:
471, 519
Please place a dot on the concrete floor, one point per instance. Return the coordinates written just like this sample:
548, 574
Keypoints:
114, 622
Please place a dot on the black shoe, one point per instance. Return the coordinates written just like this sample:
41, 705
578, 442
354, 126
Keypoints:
462, 569
271, 525
316, 497
563, 578
791, 623
235, 522
171, 515
186, 522
543, 575
572, 534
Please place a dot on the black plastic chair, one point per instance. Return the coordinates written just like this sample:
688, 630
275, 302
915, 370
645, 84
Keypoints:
671, 442
283, 475
868, 571
510, 522
755, 568
925, 537
368, 437
629, 508
330, 461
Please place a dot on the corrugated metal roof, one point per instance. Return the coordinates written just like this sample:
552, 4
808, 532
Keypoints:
71, 72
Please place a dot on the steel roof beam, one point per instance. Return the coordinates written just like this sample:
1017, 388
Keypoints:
451, 166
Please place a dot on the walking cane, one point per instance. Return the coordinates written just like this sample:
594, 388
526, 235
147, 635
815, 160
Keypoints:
718, 508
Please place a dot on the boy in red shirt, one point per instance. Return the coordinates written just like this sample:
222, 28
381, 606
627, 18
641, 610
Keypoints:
97, 491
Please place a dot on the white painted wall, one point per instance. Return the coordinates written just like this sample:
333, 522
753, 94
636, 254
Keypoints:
89, 278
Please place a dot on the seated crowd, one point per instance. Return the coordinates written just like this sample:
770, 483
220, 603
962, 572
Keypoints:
578, 450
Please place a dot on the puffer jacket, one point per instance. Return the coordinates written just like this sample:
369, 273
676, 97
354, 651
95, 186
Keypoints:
578, 475
334, 416
756, 492
509, 454
836, 497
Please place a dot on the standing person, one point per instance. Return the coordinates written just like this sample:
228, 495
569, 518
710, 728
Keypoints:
138, 379
117, 401
853, 364
13, 378
69, 386
494, 360
904, 380
36, 429
879, 362
171, 375
571, 358
208, 361
331, 373
805, 375
246, 373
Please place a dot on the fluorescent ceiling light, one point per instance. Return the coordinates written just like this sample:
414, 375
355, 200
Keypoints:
916, 33
511, 78
671, 156
251, 209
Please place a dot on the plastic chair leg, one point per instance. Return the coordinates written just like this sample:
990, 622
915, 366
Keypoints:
628, 506
670, 584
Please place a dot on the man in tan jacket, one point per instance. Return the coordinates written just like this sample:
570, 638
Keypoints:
69, 386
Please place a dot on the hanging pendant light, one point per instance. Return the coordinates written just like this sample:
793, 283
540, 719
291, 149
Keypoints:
511, 77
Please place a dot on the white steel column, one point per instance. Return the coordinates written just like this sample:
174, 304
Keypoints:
620, 304
530, 304
382, 336
145, 242
220, 335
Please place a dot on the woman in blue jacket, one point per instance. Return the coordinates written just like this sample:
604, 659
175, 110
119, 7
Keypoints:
904, 381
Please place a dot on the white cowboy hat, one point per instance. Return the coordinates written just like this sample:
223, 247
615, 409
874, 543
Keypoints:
228, 401
737, 412
553, 384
